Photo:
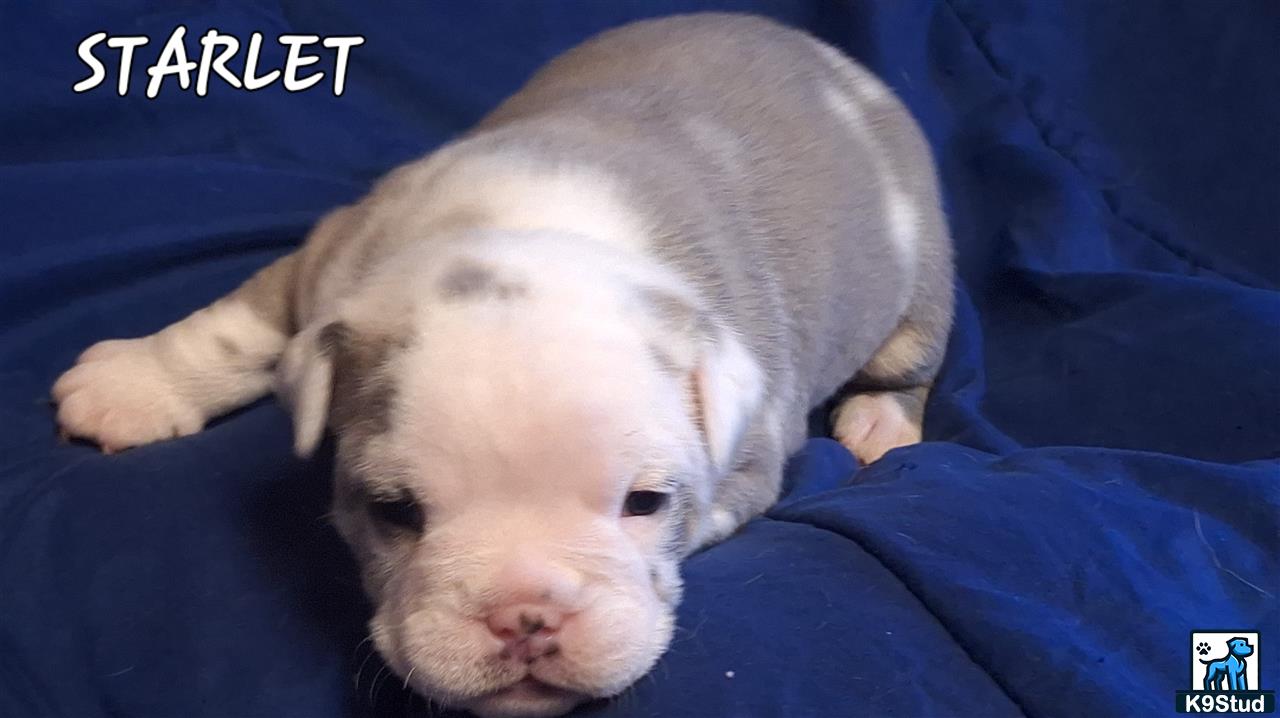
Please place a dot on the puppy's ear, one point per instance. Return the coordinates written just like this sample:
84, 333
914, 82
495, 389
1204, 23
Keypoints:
724, 381
305, 381
334, 375
729, 386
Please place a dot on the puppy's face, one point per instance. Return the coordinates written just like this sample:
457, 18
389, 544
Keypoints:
519, 480
520, 524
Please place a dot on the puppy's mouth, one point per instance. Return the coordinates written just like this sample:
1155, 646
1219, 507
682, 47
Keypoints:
528, 696
534, 687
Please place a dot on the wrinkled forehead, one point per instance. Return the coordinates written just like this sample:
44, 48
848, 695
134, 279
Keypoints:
503, 411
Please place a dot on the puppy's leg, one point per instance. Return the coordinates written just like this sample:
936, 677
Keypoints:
127, 392
886, 409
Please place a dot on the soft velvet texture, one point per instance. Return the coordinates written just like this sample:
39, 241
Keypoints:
1100, 475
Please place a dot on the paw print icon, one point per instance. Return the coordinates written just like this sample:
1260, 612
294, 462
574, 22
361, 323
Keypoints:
1202, 648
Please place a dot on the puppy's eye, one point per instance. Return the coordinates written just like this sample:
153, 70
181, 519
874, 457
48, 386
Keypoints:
643, 503
401, 512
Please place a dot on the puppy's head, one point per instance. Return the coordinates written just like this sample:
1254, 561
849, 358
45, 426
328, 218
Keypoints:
529, 434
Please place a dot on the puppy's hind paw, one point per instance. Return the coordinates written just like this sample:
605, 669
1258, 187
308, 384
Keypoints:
870, 425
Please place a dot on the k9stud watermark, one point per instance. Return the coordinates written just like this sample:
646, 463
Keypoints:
1225, 679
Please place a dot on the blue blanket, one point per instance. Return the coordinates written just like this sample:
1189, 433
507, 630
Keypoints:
1100, 476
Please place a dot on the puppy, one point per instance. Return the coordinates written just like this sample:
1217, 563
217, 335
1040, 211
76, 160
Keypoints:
577, 344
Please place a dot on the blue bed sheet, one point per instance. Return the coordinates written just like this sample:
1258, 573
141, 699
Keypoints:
1102, 470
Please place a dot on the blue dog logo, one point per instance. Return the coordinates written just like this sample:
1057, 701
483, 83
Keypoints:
1229, 673
1225, 679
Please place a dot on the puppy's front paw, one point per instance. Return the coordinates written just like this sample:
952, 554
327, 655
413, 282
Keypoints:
119, 395
870, 425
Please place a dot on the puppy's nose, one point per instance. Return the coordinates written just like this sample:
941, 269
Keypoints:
527, 631
524, 619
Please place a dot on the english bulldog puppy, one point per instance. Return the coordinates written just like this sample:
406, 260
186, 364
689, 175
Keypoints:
566, 350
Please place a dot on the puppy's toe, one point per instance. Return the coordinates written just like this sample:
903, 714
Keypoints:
126, 427
870, 425
71, 380
78, 413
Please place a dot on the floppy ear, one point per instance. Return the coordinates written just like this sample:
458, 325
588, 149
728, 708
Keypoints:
724, 381
334, 374
305, 382
728, 386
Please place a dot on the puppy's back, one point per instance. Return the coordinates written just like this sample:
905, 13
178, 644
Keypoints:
786, 183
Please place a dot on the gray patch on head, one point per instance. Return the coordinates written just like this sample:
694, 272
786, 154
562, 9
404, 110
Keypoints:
509, 290
664, 361
467, 279
667, 306
363, 392
669, 309
677, 314
332, 337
